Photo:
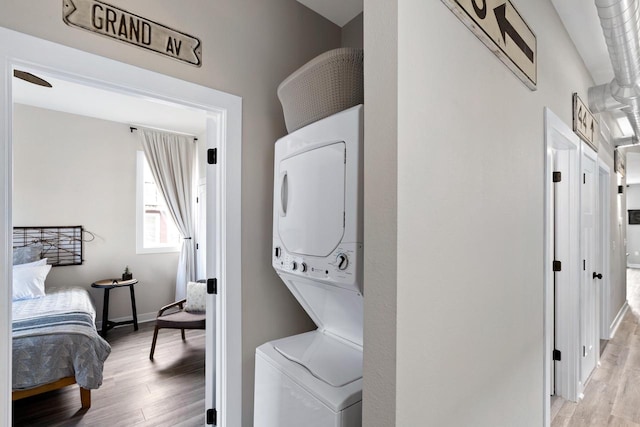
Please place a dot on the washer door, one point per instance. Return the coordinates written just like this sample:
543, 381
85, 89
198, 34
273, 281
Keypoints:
310, 198
325, 357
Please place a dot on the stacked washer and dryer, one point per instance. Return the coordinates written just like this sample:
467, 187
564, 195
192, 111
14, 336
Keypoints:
315, 379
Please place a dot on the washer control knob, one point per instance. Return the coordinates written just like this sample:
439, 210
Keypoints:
294, 266
303, 267
342, 261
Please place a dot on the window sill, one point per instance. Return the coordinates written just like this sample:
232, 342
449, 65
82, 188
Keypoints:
146, 251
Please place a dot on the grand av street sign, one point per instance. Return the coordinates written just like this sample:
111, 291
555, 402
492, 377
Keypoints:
110, 21
501, 28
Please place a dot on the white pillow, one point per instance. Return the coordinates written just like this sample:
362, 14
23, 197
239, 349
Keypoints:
28, 282
42, 261
196, 297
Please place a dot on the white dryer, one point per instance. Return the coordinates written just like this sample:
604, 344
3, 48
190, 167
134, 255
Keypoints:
315, 379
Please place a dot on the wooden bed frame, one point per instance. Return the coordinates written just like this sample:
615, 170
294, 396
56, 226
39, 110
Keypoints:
85, 394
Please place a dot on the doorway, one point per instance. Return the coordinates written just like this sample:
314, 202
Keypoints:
223, 132
604, 237
589, 330
561, 261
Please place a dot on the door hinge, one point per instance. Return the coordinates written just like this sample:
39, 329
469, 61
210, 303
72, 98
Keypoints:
557, 355
212, 156
584, 351
557, 266
197, 246
212, 416
584, 178
584, 264
557, 176
212, 286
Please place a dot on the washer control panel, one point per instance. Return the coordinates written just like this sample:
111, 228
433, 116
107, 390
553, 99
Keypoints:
339, 267
342, 261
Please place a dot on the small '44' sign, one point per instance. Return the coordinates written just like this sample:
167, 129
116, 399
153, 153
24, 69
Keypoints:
584, 124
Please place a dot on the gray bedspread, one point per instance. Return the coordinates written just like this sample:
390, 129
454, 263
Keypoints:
55, 337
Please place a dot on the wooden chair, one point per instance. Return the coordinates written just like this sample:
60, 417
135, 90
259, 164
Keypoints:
179, 319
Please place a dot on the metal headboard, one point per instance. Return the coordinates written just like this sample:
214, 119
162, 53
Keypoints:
61, 245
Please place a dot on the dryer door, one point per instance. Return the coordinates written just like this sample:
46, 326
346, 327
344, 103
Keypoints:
310, 198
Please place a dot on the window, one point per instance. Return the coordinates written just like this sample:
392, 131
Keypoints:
155, 229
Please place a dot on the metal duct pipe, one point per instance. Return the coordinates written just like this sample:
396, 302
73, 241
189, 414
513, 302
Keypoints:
601, 98
621, 26
634, 119
626, 142
620, 20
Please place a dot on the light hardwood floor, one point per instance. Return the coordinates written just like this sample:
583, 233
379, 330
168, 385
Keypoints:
135, 391
612, 395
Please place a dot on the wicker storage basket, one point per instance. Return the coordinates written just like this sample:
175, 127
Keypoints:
329, 83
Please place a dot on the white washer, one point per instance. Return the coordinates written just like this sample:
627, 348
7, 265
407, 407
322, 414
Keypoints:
315, 379
297, 393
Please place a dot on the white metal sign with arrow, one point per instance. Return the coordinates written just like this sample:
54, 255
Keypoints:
501, 28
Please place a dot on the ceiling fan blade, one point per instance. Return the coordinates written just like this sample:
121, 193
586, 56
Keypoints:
28, 77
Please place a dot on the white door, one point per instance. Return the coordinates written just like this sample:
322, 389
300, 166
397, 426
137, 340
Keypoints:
554, 230
562, 244
589, 343
561, 250
201, 234
604, 236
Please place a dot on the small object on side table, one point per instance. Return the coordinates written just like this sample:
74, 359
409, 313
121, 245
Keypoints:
107, 285
127, 275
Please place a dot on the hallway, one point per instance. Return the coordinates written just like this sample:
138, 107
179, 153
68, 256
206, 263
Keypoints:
612, 396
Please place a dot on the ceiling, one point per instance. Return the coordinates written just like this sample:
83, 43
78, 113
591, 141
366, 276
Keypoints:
340, 12
580, 18
94, 102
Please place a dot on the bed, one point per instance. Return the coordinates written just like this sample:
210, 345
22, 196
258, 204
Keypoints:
55, 344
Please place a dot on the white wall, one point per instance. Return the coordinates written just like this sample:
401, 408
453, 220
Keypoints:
632, 165
470, 162
633, 231
249, 47
75, 170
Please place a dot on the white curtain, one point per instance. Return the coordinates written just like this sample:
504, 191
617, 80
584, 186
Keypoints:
172, 160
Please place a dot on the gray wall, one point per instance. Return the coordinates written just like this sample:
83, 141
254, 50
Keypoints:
248, 47
469, 151
380, 212
352, 32
74, 170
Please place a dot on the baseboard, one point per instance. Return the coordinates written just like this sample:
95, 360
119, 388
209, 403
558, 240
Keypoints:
142, 318
633, 265
616, 322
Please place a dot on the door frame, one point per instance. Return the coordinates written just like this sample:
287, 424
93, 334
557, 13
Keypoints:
21, 50
604, 239
561, 141
586, 278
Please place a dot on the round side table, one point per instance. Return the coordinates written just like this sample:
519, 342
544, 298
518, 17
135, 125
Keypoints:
107, 285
